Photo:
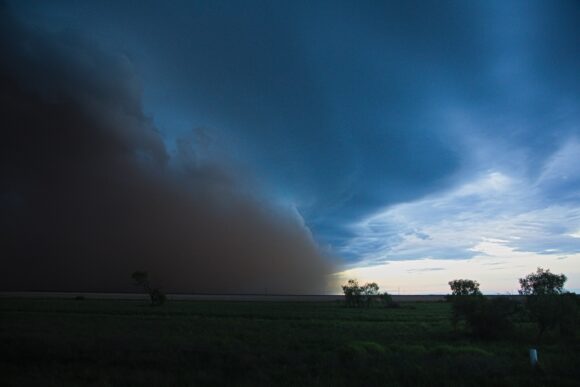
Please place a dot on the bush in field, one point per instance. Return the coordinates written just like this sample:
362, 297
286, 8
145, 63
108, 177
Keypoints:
387, 300
547, 303
141, 278
486, 318
357, 296
492, 318
157, 297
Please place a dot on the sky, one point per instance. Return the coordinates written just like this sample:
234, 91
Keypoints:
408, 143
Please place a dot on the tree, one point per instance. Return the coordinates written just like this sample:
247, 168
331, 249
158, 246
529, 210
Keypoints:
547, 302
542, 282
370, 291
357, 296
141, 278
464, 287
352, 293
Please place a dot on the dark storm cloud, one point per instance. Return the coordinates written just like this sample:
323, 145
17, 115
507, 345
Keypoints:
330, 102
87, 194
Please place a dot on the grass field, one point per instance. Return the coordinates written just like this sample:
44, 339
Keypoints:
61, 342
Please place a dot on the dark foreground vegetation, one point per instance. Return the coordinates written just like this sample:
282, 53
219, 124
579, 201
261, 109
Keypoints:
89, 342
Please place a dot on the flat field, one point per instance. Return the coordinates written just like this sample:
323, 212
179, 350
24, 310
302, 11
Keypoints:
91, 342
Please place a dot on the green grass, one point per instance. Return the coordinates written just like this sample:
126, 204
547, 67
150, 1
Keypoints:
61, 342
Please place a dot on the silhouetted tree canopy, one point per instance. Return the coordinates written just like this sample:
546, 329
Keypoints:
464, 287
357, 296
542, 282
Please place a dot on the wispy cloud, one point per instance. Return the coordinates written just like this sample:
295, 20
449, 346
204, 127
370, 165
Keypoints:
493, 208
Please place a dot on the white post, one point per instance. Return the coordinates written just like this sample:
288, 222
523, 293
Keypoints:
533, 357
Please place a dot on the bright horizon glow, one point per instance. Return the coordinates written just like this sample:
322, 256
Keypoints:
497, 269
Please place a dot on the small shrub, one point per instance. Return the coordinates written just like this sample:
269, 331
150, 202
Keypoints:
387, 301
157, 297
141, 278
